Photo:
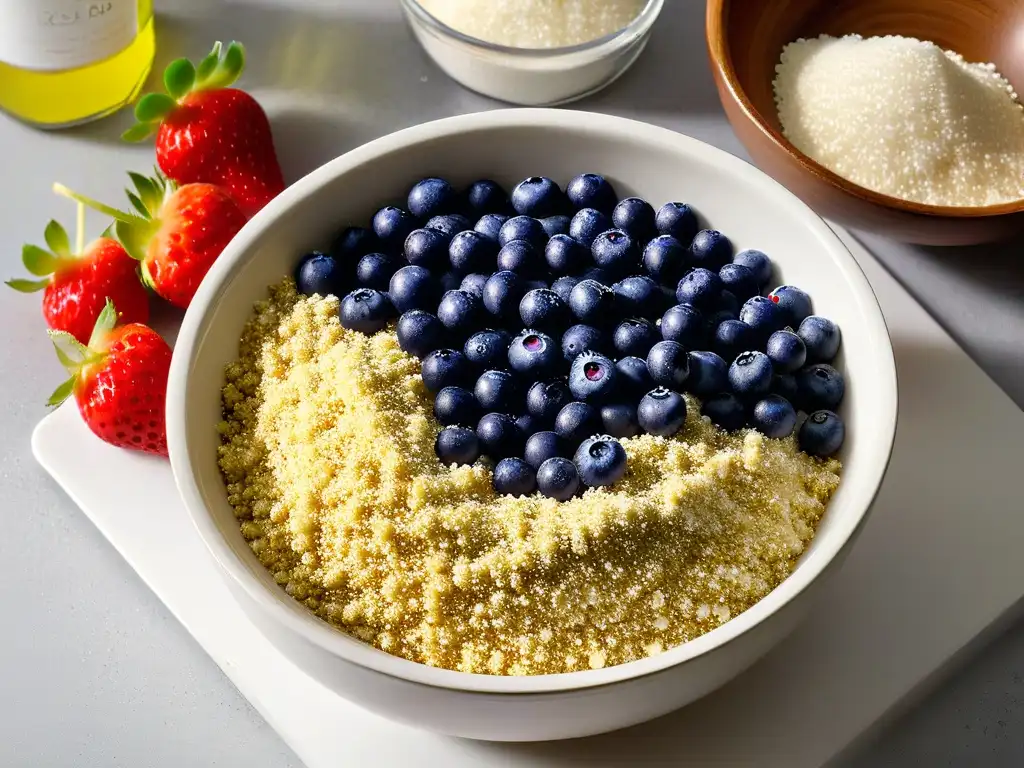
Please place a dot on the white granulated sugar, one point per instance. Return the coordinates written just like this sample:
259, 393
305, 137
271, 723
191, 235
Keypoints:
905, 118
535, 23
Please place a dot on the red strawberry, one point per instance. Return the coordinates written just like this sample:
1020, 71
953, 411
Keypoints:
177, 233
119, 382
209, 133
76, 285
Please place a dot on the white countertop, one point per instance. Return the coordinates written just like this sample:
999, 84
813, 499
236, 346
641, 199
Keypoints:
93, 670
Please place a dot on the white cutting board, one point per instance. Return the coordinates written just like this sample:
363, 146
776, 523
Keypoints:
938, 562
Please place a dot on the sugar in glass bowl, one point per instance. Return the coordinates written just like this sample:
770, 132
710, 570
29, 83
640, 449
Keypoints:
532, 76
505, 145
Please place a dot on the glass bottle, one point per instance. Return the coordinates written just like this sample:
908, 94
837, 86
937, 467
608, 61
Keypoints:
64, 62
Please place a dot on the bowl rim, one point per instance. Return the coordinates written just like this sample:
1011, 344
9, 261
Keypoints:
277, 606
637, 27
721, 59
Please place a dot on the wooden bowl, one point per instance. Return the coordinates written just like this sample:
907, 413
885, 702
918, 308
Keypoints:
745, 41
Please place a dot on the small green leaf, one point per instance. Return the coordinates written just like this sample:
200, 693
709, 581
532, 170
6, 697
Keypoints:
72, 353
208, 64
109, 232
137, 204
27, 286
57, 239
62, 393
153, 107
229, 69
179, 77
135, 236
139, 132
37, 261
104, 324
150, 193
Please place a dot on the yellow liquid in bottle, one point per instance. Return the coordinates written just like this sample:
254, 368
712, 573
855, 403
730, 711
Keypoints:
71, 96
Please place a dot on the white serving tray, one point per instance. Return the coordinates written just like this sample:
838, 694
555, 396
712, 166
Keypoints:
938, 563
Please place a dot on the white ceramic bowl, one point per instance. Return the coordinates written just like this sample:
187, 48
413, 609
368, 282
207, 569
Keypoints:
508, 145
527, 76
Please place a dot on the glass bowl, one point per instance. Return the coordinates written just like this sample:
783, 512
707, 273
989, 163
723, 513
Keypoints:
532, 76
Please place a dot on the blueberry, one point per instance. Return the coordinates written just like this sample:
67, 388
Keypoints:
499, 436
661, 412
774, 417
527, 424
535, 355
709, 374
457, 445
794, 303
541, 446
538, 196
449, 224
587, 224
756, 262
353, 243
432, 197
474, 283
711, 249
593, 378
787, 351
616, 251
669, 364
455, 405
366, 310
635, 337
665, 259
470, 251
638, 296
701, 287
520, 257
727, 302
445, 368
427, 248
514, 477
582, 338
679, 221
563, 287
502, 293
739, 281
725, 410
486, 196
451, 281
558, 479
420, 333
731, 338
576, 422
784, 385
636, 216
620, 420
413, 288
716, 319
634, 378
684, 323
497, 391
542, 308
318, 273
555, 225
601, 461
392, 225
763, 316
461, 312
488, 349
593, 303
590, 190
822, 434
821, 337
820, 387
546, 398
564, 254
750, 375
489, 225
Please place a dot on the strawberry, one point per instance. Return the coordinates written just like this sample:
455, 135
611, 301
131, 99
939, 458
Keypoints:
177, 232
119, 382
210, 133
76, 285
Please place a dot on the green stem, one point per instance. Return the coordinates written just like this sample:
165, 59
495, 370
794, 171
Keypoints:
115, 214
80, 229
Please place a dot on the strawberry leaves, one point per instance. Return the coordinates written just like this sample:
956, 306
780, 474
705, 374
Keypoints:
75, 356
40, 262
57, 240
218, 69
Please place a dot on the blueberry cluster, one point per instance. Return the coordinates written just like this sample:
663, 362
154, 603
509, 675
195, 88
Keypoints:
552, 323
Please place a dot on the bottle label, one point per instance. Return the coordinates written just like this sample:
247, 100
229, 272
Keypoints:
50, 35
